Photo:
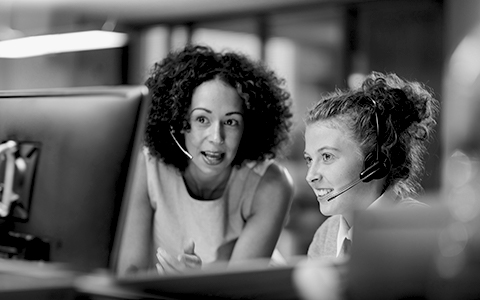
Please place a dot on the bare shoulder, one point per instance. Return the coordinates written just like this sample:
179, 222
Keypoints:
278, 176
276, 183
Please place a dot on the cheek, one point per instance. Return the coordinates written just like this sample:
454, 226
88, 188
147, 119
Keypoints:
353, 169
234, 138
344, 174
353, 173
192, 139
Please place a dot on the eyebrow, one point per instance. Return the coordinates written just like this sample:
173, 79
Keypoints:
209, 111
327, 148
323, 148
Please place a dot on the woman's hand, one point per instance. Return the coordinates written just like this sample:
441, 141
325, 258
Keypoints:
188, 260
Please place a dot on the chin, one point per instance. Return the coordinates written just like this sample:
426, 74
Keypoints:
326, 210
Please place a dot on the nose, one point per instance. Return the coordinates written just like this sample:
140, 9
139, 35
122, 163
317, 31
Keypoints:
217, 134
313, 175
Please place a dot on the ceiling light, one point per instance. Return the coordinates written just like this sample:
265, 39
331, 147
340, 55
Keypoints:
61, 43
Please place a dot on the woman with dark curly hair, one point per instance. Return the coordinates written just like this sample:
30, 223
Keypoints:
363, 149
210, 189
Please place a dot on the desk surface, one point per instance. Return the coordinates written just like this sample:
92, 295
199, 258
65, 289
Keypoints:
30, 280
246, 282
27, 280
393, 256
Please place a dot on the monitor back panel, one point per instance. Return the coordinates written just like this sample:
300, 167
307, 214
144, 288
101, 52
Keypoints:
77, 144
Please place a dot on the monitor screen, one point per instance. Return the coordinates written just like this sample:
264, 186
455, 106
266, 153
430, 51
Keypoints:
64, 170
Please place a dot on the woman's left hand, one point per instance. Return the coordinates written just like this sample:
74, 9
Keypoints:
188, 260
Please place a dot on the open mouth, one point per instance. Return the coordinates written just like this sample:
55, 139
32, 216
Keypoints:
321, 193
212, 157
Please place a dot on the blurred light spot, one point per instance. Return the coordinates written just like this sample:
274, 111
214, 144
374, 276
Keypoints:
452, 243
449, 267
453, 240
459, 169
464, 203
355, 80
465, 61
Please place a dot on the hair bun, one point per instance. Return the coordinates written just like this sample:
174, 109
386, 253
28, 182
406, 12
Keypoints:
396, 100
404, 111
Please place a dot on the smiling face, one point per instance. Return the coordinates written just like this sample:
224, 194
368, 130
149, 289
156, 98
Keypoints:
217, 124
335, 160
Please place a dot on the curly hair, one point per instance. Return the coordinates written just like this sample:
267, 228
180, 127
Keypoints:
406, 111
172, 83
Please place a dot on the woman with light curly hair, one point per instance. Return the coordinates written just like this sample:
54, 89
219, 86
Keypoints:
364, 148
209, 188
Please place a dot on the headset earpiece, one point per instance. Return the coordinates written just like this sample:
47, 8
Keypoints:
375, 168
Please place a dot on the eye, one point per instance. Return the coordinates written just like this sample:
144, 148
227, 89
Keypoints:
232, 122
327, 157
308, 160
201, 120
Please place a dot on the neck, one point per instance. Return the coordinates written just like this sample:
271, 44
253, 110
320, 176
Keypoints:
366, 201
203, 187
348, 218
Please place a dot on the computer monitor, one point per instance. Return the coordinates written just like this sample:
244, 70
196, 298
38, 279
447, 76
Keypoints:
66, 157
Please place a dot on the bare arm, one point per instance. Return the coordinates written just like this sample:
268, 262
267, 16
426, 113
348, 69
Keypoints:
270, 208
135, 244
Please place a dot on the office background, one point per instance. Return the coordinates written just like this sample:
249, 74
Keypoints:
316, 45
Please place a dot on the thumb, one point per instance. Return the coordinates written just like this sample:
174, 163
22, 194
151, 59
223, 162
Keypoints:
189, 247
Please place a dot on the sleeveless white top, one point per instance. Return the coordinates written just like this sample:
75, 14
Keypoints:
214, 225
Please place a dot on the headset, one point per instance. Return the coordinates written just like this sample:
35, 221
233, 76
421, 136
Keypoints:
377, 164
172, 133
